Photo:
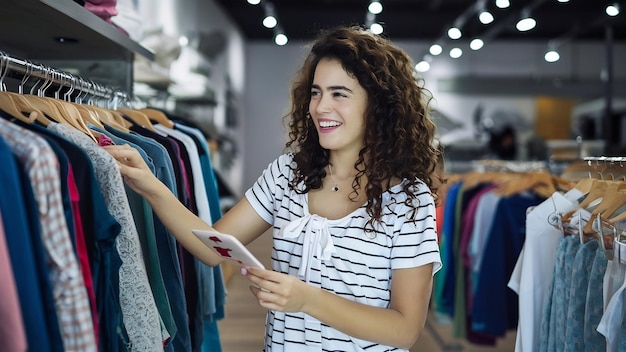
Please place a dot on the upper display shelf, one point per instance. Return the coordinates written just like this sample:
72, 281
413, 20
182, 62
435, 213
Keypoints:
62, 30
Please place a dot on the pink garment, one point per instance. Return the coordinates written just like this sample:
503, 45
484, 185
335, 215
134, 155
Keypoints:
12, 333
104, 140
104, 9
81, 249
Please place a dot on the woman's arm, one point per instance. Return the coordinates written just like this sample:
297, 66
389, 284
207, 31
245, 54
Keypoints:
400, 325
241, 221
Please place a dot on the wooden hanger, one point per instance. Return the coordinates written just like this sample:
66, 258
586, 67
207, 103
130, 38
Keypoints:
106, 118
7, 102
612, 199
540, 182
138, 117
158, 116
88, 115
50, 112
472, 179
10, 106
618, 218
73, 117
62, 111
596, 193
119, 118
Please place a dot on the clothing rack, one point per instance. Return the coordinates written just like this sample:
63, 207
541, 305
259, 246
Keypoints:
80, 88
606, 159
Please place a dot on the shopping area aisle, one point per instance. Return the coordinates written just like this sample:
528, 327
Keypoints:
244, 326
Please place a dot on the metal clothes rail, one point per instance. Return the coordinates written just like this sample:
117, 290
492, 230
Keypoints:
43, 77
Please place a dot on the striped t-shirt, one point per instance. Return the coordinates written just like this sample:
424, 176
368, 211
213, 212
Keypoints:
338, 255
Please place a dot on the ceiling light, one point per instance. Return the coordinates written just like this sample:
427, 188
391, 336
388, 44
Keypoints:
270, 21
422, 66
485, 17
454, 33
525, 24
456, 53
435, 49
612, 10
552, 56
281, 39
563, 0
476, 44
503, 4
375, 7
254, 2
376, 28
183, 40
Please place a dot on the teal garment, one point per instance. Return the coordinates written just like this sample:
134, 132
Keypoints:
594, 341
562, 293
548, 322
581, 274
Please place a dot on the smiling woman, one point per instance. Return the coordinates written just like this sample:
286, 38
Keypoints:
359, 114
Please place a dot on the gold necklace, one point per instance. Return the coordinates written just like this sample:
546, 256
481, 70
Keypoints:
335, 187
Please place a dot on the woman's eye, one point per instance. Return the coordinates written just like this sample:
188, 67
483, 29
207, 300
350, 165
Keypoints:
339, 95
315, 93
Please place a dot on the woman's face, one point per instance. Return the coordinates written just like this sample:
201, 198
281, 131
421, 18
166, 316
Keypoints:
338, 104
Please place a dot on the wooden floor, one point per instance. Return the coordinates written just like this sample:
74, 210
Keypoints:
243, 328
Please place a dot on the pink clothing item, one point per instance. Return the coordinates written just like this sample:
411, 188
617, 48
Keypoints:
104, 9
81, 249
104, 140
12, 333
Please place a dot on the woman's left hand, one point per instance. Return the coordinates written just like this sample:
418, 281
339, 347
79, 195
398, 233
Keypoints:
278, 291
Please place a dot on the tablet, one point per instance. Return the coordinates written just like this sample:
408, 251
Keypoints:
228, 247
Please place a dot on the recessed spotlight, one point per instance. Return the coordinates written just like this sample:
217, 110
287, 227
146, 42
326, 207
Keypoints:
281, 39
476, 44
612, 10
270, 22
454, 33
435, 49
66, 40
422, 66
376, 28
456, 53
375, 7
552, 56
526, 24
485, 17
503, 4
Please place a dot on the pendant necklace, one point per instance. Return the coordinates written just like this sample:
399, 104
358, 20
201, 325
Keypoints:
335, 187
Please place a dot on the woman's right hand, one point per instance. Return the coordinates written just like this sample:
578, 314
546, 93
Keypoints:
133, 168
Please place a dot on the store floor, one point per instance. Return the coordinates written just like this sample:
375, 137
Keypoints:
243, 328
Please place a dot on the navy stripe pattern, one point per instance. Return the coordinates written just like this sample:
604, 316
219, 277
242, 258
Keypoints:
360, 265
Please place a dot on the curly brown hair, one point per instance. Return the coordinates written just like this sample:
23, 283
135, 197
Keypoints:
399, 132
